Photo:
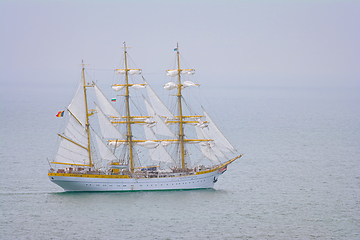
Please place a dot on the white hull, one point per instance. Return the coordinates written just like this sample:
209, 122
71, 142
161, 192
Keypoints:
200, 181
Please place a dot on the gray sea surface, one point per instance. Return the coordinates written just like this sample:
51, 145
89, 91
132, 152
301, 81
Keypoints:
299, 177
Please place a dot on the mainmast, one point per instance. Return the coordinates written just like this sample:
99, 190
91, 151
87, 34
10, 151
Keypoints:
128, 118
181, 134
87, 114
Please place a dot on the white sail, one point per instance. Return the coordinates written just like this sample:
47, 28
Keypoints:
105, 104
120, 71
159, 153
130, 71
208, 153
76, 132
159, 127
77, 105
188, 71
105, 152
108, 130
219, 139
116, 144
135, 71
170, 86
212, 145
188, 84
148, 144
73, 147
205, 146
71, 153
157, 104
172, 73
118, 88
137, 86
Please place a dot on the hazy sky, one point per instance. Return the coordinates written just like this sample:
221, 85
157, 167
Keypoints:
237, 43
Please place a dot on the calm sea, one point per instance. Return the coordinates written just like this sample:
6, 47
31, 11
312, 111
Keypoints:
299, 177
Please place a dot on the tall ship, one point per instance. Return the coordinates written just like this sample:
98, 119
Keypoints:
134, 142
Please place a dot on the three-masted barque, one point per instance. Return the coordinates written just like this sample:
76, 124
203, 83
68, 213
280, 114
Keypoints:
121, 151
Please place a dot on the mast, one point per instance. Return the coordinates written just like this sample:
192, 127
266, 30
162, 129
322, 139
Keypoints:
128, 119
87, 125
181, 134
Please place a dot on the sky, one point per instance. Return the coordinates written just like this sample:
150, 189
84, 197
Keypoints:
232, 43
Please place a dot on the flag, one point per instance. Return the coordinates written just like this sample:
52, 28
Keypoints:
113, 100
175, 49
60, 114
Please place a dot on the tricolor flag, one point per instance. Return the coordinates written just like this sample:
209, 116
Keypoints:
113, 100
60, 114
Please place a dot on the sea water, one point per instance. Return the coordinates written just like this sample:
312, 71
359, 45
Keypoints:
298, 177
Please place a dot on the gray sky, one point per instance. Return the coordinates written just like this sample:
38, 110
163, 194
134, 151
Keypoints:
237, 43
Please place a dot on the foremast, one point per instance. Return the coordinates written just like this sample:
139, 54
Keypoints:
87, 125
75, 144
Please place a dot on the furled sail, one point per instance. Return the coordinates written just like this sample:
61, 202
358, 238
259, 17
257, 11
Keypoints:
135, 71
170, 86
159, 153
159, 127
116, 144
148, 144
130, 71
108, 130
188, 84
188, 71
118, 88
105, 104
157, 104
120, 71
138, 86
219, 139
174, 72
